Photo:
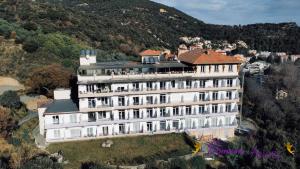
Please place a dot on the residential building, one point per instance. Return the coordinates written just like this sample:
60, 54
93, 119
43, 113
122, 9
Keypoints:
198, 91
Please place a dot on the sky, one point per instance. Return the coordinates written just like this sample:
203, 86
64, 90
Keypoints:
234, 12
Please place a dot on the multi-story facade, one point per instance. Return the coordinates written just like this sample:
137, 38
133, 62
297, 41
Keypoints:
198, 92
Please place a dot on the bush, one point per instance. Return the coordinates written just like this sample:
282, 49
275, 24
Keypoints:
178, 163
10, 99
197, 163
93, 165
30, 45
41, 162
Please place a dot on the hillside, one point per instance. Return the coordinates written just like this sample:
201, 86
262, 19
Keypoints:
55, 30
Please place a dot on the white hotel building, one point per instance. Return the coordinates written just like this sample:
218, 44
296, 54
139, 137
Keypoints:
197, 92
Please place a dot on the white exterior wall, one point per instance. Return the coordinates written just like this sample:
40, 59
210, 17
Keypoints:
60, 94
177, 99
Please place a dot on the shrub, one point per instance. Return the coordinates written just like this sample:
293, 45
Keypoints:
93, 165
41, 162
30, 45
178, 163
10, 99
197, 163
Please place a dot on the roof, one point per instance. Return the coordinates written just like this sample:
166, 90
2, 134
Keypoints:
200, 56
150, 52
66, 105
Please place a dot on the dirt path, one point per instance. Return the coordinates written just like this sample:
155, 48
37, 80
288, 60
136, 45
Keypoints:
8, 83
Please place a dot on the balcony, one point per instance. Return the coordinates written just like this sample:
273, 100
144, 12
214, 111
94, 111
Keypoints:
140, 76
152, 104
153, 91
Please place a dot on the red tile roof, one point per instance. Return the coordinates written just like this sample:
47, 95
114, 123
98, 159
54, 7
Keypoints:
150, 52
200, 56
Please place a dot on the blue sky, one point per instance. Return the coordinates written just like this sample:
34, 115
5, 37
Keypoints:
233, 12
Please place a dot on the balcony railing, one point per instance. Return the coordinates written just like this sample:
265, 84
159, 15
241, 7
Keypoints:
152, 90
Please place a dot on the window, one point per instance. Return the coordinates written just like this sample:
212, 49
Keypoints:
91, 102
149, 99
201, 123
230, 68
214, 121
173, 83
188, 84
227, 121
56, 133
216, 68
105, 130
162, 125
121, 89
91, 116
163, 112
122, 128
176, 124
201, 109
101, 115
104, 100
90, 88
121, 101
229, 82
162, 85
188, 123
149, 86
215, 95
228, 108
162, 98
122, 114
229, 95
215, 83
73, 118
214, 108
202, 83
55, 119
188, 110
149, 126
175, 111
136, 86
136, 100
202, 68
136, 114
90, 132
150, 113
202, 96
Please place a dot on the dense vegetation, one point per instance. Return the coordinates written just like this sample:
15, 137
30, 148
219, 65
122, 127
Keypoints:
128, 26
277, 121
53, 31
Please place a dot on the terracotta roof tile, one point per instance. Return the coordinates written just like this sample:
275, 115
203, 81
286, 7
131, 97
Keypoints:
150, 52
200, 56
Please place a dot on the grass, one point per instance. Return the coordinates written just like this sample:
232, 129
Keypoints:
127, 150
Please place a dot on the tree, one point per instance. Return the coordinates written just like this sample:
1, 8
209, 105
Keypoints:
10, 99
44, 80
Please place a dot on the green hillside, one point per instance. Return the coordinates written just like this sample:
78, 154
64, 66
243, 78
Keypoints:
55, 30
